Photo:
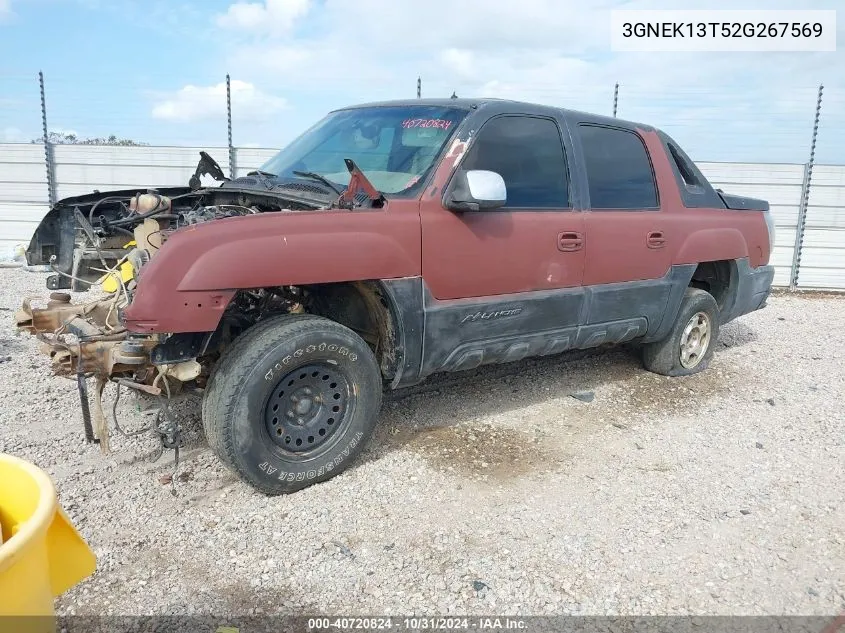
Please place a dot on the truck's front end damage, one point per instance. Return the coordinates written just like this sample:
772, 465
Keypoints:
106, 241
90, 339
85, 340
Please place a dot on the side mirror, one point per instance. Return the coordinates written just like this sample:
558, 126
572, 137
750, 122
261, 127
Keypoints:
476, 190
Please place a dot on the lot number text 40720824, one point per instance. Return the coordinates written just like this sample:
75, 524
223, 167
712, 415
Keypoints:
417, 624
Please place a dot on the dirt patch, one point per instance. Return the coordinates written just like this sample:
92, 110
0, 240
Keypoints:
625, 524
646, 391
479, 451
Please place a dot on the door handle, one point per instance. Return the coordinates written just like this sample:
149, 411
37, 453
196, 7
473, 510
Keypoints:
655, 239
570, 241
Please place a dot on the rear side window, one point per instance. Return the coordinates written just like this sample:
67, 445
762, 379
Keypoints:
618, 169
684, 168
528, 154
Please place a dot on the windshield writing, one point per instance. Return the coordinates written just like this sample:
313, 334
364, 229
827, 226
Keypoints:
395, 146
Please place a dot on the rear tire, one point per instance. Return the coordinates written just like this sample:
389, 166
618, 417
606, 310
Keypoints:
292, 402
689, 347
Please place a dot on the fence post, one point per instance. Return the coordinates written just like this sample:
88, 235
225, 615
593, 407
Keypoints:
805, 197
799, 223
48, 146
229, 125
419, 87
615, 98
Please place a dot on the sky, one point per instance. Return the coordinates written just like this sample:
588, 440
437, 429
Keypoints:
154, 70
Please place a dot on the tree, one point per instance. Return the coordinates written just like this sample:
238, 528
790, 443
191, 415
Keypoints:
69, 138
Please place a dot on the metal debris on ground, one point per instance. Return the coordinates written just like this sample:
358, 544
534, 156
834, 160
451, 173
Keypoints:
584, 396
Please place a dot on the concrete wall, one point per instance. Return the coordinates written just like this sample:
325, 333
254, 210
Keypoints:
823, 251
779, 184
23, 193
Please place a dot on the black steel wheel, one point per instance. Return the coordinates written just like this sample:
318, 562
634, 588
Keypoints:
307, 406
292, 402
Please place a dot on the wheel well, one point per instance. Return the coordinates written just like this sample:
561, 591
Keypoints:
715, 278
364, 308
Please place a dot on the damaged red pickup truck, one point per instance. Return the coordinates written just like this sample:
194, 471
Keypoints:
389, 242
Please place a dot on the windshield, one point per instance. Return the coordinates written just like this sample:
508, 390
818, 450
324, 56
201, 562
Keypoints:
395, 146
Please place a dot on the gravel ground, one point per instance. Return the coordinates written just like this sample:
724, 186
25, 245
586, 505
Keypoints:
497, 492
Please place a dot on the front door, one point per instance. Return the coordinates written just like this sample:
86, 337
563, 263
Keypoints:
535, 242
505, 283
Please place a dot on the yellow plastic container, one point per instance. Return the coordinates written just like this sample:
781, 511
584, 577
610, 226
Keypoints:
41, 555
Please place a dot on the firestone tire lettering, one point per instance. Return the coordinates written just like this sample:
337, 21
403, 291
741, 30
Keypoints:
312, 474
310, 349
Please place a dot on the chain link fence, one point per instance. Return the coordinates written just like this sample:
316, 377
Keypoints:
64, 136
712, 123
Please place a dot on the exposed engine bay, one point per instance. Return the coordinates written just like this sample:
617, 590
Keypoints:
104, 241
85, 237
82, 240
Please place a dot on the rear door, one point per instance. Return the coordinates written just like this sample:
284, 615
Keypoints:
628, 253
627, 236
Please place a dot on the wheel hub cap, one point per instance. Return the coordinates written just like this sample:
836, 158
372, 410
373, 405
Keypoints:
306, 407
695, 340
303, 406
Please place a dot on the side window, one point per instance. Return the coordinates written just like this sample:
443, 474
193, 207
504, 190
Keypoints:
528, 153
618, 169
684, 168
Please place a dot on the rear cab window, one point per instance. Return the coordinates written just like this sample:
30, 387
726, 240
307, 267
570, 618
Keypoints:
696, 191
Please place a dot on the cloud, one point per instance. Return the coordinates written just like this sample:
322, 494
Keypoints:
5, 10
460, 61
720, 106
12, 134
270, 16
477, 25
196, 103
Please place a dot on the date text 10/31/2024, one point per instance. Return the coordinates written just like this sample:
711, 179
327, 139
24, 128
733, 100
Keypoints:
417, 623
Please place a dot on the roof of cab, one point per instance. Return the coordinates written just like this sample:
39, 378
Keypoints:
505, 105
